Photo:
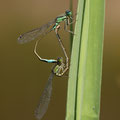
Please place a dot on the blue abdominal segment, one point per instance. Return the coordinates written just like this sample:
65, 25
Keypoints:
50, 61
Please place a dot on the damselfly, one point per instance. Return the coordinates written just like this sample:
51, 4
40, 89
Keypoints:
43, 30
57, 69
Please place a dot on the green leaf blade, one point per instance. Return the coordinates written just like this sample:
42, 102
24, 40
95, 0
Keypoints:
90, 65
84, 85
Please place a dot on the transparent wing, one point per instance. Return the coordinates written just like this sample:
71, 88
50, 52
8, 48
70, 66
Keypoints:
31, 35
44, 99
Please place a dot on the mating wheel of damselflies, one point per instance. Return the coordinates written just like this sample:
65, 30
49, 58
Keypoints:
59, 68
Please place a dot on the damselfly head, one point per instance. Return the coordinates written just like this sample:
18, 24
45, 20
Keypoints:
59, 60
68, 13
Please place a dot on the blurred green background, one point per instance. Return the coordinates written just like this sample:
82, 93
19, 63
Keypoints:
23, 76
